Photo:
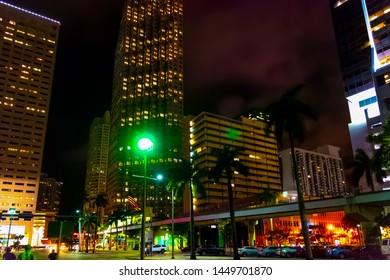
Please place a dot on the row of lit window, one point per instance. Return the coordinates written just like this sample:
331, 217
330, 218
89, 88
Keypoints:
379, 13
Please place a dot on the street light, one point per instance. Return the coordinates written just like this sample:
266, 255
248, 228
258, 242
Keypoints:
12, 212
145, 145
79, 224
173, 223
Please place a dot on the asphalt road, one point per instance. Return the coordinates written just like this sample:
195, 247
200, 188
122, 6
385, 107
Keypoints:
131, 255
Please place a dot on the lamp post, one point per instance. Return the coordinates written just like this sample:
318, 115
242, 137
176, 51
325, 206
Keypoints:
145, 145
12, 212
173, 223
79, 224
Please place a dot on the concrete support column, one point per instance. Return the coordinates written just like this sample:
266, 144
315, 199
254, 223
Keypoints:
252, 232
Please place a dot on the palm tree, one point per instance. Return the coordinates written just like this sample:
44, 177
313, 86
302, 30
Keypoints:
269, 196
101, 202
182, 174
117, 216
225, 166
363, 165
287, 116
89, 223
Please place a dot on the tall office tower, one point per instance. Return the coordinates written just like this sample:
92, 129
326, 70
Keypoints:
147, 99
320, 172
260, 155
28, 44
49, 194
97, 161
363, 38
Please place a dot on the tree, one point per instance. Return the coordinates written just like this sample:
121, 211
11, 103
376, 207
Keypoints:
287, 115
382, 155
101, 202
89, 223
225, 166
363, 165
269, 196
185, 174
114, 219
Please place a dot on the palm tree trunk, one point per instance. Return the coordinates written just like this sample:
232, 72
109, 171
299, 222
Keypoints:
109, 240
301, 202
125, 248
117, 239
192, 224
93, 240
236, 256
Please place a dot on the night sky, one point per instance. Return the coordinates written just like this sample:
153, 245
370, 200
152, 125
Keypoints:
238, 54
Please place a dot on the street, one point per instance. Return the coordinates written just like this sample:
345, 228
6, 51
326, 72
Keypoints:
131, 255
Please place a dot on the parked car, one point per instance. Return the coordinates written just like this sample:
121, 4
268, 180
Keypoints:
204, 250
369, 252
340, 252
288, 251
317, 251
268, 251
385, 247
248, 251
186, 249
156, 249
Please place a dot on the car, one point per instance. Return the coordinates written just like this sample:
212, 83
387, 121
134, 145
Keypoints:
340, 252
288, 251
186, 249
317, 251
156, 249
268, 251
248, 251
369, 252
204, 250
385, 248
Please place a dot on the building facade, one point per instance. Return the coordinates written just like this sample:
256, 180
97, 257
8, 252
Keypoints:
28, 45
363, 39
147, 100
49, 195
97, 160
259, 155
320, 172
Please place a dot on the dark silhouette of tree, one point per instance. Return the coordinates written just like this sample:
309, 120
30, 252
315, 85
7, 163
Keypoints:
362, 165
225, 166
287, 115
185, 174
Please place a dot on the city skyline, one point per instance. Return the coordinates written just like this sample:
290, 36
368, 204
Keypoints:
236, 56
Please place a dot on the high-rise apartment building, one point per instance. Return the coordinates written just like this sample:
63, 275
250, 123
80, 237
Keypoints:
320, 172
363, 39
259, 155
147, 99
97, 160
28, 44
49, 195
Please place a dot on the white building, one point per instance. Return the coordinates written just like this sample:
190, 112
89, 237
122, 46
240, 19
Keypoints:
320, 172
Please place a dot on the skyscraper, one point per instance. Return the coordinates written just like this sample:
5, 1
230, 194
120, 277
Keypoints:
147, 98
97, 161
259, 155
28, 44
363, 39
49, 195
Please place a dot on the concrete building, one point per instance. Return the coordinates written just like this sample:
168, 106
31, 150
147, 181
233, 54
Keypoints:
28, 44
49, 195
321, 172
260, 155
147, 100
363, 39
97, 161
